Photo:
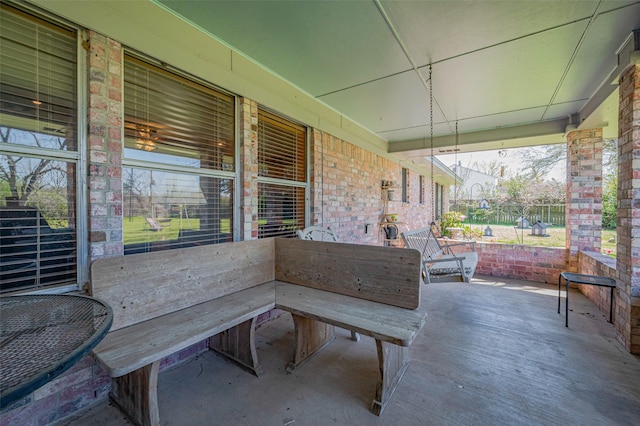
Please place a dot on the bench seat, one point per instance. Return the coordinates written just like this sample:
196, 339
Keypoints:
384, 322
127, 349
315, 313
449, 265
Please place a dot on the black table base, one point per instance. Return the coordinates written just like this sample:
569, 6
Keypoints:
570, 277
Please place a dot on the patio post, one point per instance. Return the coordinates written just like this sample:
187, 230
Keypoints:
584, 193
249, 169
627, 309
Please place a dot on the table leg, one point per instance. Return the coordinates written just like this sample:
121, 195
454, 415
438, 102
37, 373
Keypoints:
611, 306
559, 284
566, 306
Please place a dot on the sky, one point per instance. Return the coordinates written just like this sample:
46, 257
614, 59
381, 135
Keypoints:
511, 161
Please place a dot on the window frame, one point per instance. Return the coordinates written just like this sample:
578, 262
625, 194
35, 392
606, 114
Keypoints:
305, 185
79, 157
141, 164
405, 185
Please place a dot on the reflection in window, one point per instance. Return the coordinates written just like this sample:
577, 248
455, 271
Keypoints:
183, 133
38, 121
164, 210
280, 209
174, 121
37, 222
38, 81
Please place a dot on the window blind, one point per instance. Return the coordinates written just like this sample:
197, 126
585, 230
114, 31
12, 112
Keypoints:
38, 109
281, 148
169, 117
184, 132
281, 210
37, 79
282, 162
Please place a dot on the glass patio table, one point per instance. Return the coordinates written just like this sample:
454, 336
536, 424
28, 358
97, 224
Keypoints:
41, 336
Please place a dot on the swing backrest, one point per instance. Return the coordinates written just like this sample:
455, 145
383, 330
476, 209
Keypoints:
424, 241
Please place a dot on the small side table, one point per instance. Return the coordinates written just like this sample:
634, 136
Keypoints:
570, 277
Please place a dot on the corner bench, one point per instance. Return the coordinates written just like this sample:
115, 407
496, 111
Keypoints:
166, 301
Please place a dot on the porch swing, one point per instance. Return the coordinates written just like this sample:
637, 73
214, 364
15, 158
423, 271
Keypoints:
440, 262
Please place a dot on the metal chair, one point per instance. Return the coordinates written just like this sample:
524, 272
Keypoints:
317, 233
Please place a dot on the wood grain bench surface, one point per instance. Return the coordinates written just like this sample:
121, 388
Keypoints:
127, 349
378, 320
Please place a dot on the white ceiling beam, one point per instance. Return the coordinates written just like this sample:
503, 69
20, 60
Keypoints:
512, 136
628, 54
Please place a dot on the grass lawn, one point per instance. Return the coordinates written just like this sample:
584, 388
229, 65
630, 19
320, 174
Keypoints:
137, 230
557, 237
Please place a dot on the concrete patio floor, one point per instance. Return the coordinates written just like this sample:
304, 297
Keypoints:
492, 353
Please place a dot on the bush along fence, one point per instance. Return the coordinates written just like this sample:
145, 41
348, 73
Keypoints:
509, 214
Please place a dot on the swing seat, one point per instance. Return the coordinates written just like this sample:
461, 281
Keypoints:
441, 263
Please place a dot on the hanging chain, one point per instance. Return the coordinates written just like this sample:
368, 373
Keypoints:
455, 187
433, 183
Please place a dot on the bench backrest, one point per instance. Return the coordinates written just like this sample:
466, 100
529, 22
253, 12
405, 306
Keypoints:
424, 241
143, 286
380, 274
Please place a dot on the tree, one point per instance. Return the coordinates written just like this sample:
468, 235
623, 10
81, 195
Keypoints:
25, 176
610, 202
539, 161
492, 168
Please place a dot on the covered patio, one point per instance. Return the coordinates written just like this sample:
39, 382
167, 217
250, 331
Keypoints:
494, 351
378, 88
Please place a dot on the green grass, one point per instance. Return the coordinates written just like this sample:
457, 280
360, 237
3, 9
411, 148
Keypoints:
557, 237
137, 230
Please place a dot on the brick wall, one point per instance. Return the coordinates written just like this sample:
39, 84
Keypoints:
628, 241
346, 190
539, 264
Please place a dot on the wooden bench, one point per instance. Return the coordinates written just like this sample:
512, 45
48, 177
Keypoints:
442, 263
166, 301
374, 291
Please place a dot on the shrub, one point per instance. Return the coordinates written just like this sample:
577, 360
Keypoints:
450, 220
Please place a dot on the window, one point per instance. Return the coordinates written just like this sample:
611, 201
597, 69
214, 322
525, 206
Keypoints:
421, 189
40, 155
282, 176
405, 185
179, 167
439, 197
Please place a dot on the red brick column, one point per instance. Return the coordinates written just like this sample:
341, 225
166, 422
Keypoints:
628, 231
316, 178
584, 193
104, 116
249, 173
